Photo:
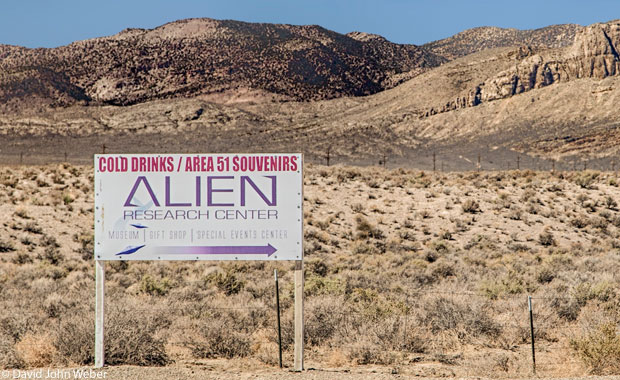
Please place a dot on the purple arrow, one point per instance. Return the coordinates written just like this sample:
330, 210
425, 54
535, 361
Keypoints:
217, 250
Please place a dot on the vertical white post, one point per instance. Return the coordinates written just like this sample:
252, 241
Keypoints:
299, 315
99, 302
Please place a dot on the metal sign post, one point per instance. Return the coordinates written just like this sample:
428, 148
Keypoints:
99, 312
299, 315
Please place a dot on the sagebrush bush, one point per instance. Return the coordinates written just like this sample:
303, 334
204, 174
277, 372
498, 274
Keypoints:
6, 246
131, 336
470, 206
227, 333
471, 319
226, 282
546, 239
154, 286
323, 317
599, 349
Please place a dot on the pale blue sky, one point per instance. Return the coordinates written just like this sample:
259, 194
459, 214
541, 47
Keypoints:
49, 23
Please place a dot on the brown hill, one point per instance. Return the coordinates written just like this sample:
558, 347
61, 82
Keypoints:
203, 56
488, 37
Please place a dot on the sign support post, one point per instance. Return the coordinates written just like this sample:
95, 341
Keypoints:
299, 315
99, 319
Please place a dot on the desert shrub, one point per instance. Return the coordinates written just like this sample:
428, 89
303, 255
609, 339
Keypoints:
14, 327
470, 206
602, 291
36, 350
221, 342
317, 267
67, 198
442, 269
52, 255
87, 246
22, 258
482, 242
22, 213
323, 317
599, 349
357, 207
445, 235
510, 283
600, 223
444, 314
546, 239
55, 305
440, 246
363, 248
49, 241
346, 174
6, 246
580, 221
611, 203
32, 227
9, 357
226, 282
314, 285
74, 338
567, 308
155, 287
586, 179
545, 275
227, 332
130, 337
366, 229
369, 353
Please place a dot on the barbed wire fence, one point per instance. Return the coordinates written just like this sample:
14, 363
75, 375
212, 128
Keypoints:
436, 161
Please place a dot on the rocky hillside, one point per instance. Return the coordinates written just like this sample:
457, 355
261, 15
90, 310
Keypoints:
203, 56
592, 55
509, 107
488, 37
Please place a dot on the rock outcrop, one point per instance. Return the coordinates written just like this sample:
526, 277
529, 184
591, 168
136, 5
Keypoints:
593, 54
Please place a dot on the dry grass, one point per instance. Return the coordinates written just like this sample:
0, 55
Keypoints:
394, 277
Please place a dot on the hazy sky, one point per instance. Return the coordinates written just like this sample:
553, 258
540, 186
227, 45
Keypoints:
49, 23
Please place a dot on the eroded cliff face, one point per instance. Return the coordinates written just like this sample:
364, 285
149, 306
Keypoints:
594, 54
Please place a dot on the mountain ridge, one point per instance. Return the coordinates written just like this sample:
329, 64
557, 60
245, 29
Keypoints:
205, 56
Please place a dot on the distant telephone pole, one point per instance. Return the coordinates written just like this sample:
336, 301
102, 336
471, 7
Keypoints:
434, 161
518, 162
383, 161
327, 155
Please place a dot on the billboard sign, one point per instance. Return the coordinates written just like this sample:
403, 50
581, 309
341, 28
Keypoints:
198, 207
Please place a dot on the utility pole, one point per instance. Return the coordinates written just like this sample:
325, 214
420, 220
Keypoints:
329, 149
434, 158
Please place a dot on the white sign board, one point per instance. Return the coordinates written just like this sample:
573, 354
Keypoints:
198, 207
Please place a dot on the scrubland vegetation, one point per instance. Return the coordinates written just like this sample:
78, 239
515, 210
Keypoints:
427, 273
